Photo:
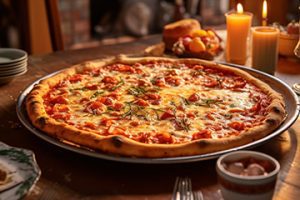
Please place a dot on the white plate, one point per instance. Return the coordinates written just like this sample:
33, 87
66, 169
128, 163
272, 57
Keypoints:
22, 166
14, 71
13, 65
10, 55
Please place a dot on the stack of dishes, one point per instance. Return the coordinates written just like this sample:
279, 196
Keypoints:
13, 63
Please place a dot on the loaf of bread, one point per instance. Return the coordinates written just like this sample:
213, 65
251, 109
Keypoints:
172, 32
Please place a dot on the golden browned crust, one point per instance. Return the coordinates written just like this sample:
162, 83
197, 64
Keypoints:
127, 147
172, 32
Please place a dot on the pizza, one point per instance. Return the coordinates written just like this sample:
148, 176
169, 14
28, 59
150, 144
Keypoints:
154, 107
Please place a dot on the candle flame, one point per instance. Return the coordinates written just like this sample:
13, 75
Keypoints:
240, 8
264, 11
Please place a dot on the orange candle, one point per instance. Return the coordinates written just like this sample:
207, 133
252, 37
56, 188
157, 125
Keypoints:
238, 26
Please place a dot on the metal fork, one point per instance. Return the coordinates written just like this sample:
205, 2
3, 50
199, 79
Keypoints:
198, 195
183, 189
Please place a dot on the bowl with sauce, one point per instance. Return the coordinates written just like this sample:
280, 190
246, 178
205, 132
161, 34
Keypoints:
247, 175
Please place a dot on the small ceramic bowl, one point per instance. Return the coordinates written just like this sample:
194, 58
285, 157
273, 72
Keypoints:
237, 187
287, 43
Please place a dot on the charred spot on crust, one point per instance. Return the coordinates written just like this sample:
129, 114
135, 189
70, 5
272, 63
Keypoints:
33, 102
117, 141
96, 140
41, 121
276, 109
30, 98
37, 86
271, 121
202, 143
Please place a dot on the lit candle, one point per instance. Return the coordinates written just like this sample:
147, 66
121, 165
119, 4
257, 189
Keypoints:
264, 13
238, 26
265, 48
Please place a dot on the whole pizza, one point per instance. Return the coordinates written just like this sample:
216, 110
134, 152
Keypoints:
155, 107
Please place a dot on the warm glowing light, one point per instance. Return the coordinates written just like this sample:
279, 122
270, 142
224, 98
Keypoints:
264, 11
240, 8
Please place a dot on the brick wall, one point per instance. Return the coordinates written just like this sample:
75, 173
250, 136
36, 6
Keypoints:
75, 21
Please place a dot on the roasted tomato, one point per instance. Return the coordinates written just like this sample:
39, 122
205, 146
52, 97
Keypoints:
117, 106
116, 131
95, 107
134, 123
106, 121
106, 100
109, 79
60, 108
194, 97
210, 82
90, 125
198, 67
75, 78
163, 138
239, 126
62, 116
142, 137
152, 96
92, 86
233, 83
202, 134
123, 68
141, 102
158, 81
172, 80
167, 115
59, 100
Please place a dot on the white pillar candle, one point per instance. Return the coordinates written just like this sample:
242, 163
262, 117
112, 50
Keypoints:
265, 48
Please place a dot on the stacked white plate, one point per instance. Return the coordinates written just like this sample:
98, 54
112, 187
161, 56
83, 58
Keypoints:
13, 63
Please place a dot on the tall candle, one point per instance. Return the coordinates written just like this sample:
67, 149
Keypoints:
265, 48
238, 26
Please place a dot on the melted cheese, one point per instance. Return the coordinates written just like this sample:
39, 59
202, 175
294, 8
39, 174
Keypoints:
213, 107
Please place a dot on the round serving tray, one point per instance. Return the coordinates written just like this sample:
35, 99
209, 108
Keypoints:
290, 98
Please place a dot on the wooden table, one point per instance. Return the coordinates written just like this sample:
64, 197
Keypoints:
67, 175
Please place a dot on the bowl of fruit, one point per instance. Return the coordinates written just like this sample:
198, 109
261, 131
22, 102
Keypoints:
288, 39
186, 38
200, 43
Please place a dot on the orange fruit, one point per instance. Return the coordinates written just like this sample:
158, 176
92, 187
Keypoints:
196, 45
211, 33
199, 33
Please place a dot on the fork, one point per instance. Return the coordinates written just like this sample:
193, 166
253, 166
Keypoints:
183, 189
198, 195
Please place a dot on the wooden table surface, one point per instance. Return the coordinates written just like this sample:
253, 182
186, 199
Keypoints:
67, 175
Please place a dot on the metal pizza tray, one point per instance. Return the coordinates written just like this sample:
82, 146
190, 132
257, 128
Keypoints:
290, 98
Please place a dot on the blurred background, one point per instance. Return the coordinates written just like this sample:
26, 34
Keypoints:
42, 26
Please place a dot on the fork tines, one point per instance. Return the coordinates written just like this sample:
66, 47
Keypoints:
183, 189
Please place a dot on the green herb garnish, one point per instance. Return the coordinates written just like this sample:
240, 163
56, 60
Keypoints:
185, 101
207, 102
156, 111
183, 123
136, 91
96, 94
81, 89
119, 84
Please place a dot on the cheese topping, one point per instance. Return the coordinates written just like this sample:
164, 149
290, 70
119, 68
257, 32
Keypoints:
158, 102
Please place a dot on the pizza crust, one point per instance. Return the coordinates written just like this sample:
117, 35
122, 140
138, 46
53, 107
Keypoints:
127, 147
